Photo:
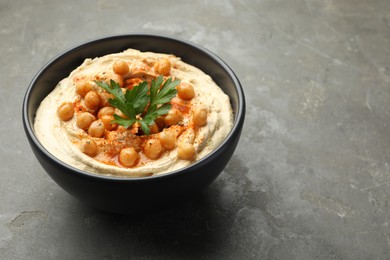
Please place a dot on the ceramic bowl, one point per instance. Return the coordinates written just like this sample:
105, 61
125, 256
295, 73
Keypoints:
134, 195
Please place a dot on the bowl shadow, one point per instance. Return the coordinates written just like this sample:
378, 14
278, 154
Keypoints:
192, 228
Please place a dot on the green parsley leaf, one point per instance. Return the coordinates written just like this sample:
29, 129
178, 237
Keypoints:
134, 102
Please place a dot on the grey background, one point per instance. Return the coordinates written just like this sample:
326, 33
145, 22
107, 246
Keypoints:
310, 177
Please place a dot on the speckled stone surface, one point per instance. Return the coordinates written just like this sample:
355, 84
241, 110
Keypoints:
310, 177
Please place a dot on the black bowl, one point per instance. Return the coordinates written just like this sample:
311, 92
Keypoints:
134, 195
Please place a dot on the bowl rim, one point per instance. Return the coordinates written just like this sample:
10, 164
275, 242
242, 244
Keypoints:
237, 122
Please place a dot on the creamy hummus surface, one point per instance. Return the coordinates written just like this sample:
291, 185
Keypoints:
74, 122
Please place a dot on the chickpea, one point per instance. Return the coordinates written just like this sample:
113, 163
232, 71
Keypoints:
154, 128
119, 113
117, 78
129, 157
167, 139
84, 120
185, 91
82, 88
153, 149
106, 120
200, 117
120, 67
96, 129
106, 111
104, 97
173, 117
163, 66
159, 121
66, 111
92, 99
186, 151
88, 146
187, 136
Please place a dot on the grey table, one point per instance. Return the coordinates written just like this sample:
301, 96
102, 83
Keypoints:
310, 177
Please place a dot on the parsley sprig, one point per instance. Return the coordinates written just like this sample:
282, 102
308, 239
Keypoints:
134, 102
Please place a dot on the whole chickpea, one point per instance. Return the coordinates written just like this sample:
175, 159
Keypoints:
106, 111
163, 66
167, 139
92, 99
199, 116
128, 157
186, 151
153, 149
160, 122
119, 113
173, 117
106, 120
84, 120
82, 88
154, 128
66, 111
96, 129
88, 146
117, 78
104, 97
120, 67
185, 91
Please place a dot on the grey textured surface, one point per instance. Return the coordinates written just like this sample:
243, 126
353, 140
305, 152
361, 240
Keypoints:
310, 177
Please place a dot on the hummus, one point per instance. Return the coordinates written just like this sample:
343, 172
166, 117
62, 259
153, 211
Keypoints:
199, 119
